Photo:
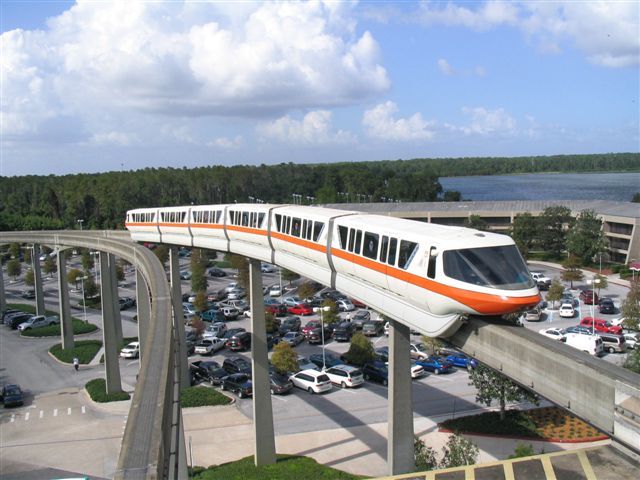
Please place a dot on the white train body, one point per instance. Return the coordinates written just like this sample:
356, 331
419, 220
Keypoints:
426, 276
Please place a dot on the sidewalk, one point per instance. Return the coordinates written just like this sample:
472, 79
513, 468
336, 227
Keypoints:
218, 435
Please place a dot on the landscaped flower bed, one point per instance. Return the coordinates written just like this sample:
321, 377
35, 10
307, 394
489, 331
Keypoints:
548, 423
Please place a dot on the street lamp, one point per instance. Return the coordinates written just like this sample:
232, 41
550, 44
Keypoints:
84, 300
80, 221
321, 310
593, 282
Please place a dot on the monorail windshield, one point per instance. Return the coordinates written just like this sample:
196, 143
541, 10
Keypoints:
494, 267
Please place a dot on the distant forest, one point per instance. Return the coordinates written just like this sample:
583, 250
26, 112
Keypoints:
101, 200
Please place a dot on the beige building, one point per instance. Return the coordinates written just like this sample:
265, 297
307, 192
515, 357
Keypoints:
621, 220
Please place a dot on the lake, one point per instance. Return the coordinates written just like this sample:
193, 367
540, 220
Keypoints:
546, 186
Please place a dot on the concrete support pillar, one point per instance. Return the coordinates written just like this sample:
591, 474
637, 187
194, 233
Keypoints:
265, 447
143, 303
37, 280
109, 332
3, 298
178, 317
400, 406
66, 325
113, 278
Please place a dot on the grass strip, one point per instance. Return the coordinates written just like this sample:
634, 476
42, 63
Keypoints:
202, 397
84, 350
79, 327
97, 389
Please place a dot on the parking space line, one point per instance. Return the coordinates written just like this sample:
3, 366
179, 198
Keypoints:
83, 409
279, 397
26, 417
69, 411
13, 417
41, 413
55, 412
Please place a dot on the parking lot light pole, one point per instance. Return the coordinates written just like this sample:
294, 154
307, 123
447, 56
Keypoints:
322, 310
593, 282
80, 220
84, 300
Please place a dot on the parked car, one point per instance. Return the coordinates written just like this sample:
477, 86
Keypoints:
373, 328
292, 301
208, 371
317, 335
540, 278
376, 371
236, 293
343, 332
272, 339
533, 315
344, 305
240, 341
333, 295
239, 383
461, 360
38, 321
301, 309
311, 325
185, 275
132, 350
231, 332
606, 305
293, 338
15, 320
28, 294
577, 329
188, 309
600, 325
631, 339
345, 376
216, 329
589, 297
555, 333
279, 384
382, 354
230, 313
418, 351
216, 272
360, 318
275, 291
278, 309
267, 268
9, 312
213, 315
613, 343
126, 303
567, 311
357, 303
591, 344
312, 381
11, 395
289, 324
305, 364
236, 364
416, 370
330, 360
208, 346
435, 364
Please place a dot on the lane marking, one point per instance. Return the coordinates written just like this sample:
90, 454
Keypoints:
13, 417
26, 417
69, 411
55, 412
83, 409
41, 413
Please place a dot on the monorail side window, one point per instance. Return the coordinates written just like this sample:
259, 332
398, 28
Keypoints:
343, 233
407, 251
370, 245
393, 245
218, 216
254, 218
260, 220
317, 230
304, 228
205, 217
278, 222
232, 217
358, 241
245, 219
352, 237
287, 225
431, 268
384, 247
295, 227
184, 217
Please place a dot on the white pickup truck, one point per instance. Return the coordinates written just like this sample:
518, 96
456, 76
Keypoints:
540, 277
38, 321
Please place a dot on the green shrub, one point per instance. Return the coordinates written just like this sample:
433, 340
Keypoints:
361, 350
222, 264
97, 389
202, 397
516, 422
523, 450
84, 350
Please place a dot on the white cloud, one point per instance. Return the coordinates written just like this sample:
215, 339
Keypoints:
488, 122
606, 31
314, 129
444, 67
113, 138
226, 143
185, 59
380, 123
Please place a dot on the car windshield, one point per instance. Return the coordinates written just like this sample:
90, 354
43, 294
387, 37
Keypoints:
12, 390
323, 378
494, 267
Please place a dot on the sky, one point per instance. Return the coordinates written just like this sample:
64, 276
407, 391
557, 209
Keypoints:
94, 86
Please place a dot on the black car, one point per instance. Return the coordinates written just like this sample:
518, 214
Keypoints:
240, 341
607, 306
126, 303
343, 332
316, 336
373, 328
543, 286
330, 360
279, 383
239, 383
376, 371
11, 395
360, 318
237, 365
8, 312
290, 324
216, 272
28, 294
333, 295
272, 339
231, 332
16, 320
208, 371
382, 354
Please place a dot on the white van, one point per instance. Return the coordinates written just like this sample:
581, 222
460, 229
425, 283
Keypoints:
592, 344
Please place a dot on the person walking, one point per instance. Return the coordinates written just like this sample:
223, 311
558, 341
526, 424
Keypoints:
348, 317
76, 363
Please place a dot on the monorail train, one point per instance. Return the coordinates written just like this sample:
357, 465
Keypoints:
427, 276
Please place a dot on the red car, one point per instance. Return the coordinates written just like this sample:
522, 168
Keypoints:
357, 303
310, 326
601, 325
589, 297
277, 309
301, 309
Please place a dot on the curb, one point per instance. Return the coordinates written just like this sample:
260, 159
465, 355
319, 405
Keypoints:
531, 439
45, 337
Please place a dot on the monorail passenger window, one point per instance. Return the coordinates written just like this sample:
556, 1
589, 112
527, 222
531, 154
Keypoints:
218, 216
232, 217
384, 247
245, 219
358, 241
278, 222
370, 245
317, 230
287, 225
343, 233
352, 236
393, 245
254, 218
304, 228
407, 251
260, 220
431, 268
295, 227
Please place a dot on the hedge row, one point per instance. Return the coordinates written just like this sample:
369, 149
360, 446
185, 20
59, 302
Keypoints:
97, 389
84, 350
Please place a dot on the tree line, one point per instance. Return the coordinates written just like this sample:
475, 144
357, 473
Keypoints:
100, 201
